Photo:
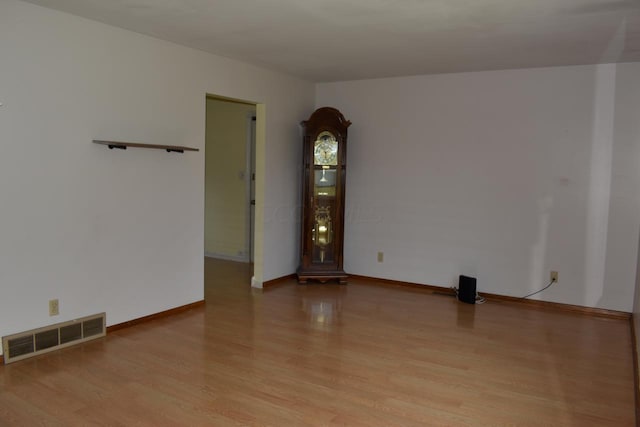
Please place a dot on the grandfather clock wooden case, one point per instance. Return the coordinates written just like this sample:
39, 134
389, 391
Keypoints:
323, 184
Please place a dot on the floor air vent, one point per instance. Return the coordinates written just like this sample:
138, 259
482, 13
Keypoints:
37, 341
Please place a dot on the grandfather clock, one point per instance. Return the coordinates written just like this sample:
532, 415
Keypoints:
324, 164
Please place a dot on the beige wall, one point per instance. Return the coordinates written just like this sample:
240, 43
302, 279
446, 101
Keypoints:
226, 178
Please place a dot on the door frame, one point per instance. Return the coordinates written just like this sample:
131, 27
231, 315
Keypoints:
250, 179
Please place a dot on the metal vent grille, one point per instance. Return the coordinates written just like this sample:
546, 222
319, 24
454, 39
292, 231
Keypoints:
92, 327
42, 340
19, 346
70, 333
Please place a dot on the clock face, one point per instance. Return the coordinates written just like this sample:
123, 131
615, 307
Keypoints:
325, 151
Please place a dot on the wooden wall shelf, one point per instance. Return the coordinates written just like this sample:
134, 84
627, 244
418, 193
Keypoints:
123, 146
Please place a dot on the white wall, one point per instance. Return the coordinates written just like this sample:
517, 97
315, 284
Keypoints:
501, 175
109, 230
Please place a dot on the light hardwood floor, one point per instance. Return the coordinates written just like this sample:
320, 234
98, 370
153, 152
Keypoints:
355, 355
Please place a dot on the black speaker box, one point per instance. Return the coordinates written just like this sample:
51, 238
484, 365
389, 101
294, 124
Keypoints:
467, 289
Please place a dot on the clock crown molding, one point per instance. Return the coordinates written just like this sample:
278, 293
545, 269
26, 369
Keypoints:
328, 116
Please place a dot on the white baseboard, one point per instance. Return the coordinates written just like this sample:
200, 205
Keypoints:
226, 257
255, 283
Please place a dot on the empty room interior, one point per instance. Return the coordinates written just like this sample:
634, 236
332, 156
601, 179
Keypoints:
163, 172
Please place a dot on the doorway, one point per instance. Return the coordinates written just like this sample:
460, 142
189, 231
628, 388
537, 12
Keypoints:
230, 176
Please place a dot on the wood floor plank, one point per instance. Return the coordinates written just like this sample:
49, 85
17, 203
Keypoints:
330, 355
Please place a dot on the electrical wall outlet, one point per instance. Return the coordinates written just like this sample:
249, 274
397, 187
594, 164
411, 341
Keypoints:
380, 256
54, 307
554, 276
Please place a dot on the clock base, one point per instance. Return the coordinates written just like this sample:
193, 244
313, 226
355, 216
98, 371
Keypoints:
322, 277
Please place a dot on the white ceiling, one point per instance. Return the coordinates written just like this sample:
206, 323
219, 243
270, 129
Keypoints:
330, 40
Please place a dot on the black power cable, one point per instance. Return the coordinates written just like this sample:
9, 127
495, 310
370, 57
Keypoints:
537, 292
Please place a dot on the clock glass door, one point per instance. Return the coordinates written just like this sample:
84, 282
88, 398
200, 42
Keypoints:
325, 156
